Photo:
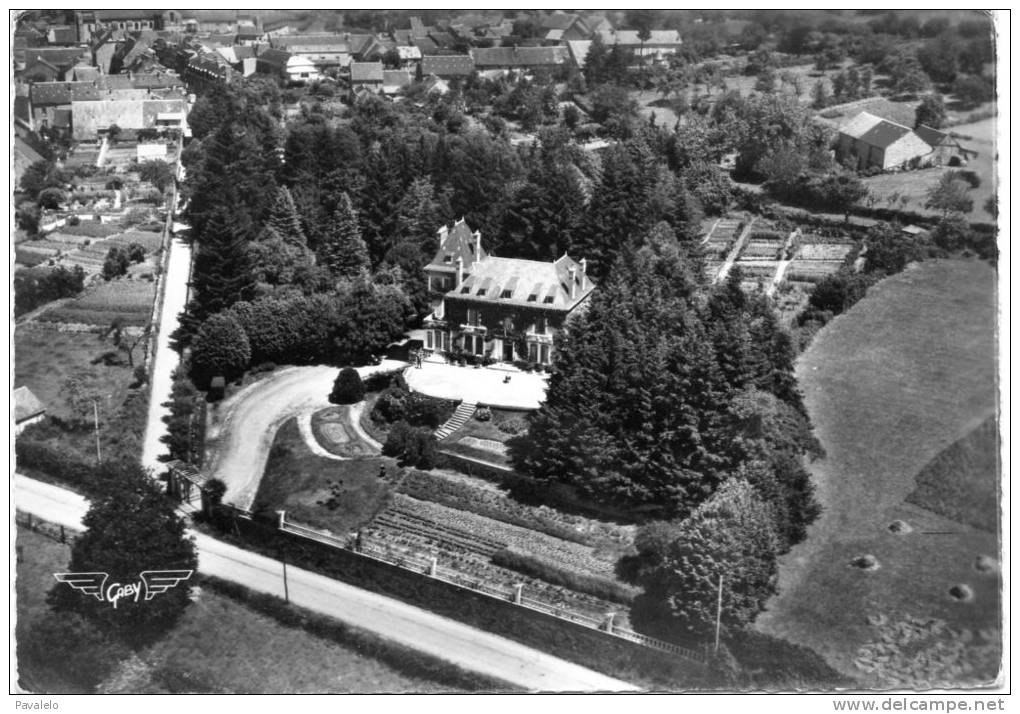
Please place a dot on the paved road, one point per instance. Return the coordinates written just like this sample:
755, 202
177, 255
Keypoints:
455, 642
165, 359
239, 444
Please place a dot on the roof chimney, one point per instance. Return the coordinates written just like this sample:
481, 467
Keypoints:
443, 230
460, 271
478, 245
572, 271
584, 274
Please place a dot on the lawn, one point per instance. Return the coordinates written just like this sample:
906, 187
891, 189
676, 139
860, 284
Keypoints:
222, 646
299, 482
45, 358
888, 385
39, 558
483, 439
202, 649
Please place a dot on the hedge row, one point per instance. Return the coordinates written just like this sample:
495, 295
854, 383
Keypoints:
54, 464
556, 575
407, 661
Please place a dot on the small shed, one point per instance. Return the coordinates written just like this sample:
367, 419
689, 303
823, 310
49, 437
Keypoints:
28, 409
217, 387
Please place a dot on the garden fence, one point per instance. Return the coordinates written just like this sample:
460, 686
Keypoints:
432, 569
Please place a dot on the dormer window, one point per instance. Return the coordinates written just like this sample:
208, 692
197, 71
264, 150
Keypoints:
465, 290
532, 298
549, 299
481, 292
507, 294
447, 258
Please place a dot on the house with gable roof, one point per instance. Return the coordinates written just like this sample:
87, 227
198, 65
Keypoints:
503, 308
869, 141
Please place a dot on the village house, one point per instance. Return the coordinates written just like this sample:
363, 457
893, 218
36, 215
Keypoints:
395, 80
210, 21
447, 65
659, 44
367, 75
868, 141
293, 68
519, 57
324, 51
90, 119
502, 308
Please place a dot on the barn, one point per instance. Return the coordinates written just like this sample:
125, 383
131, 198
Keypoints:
870, 141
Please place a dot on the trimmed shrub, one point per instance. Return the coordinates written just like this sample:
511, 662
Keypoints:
347, 388
483, 414
513, 426
414, 446
397, 404
557, 575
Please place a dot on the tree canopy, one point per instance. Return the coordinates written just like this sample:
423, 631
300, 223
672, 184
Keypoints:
130, 527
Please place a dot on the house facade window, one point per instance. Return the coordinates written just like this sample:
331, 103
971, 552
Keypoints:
474, 316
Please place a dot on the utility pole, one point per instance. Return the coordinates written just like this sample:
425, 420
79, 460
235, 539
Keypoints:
718, 615
286, 590
95, 416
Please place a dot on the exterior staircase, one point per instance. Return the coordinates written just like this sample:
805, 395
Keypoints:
464, 412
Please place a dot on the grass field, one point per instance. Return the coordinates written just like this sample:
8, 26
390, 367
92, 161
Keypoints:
962, 482
889, 385
218, 645
298, 481
128, 299
45, 358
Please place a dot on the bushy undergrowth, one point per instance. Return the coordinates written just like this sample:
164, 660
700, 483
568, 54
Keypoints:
552, 573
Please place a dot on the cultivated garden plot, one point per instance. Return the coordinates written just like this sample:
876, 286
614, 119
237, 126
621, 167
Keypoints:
127, 299
473, 528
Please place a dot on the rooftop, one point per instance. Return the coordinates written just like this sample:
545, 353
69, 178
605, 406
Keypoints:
26, 405
447, 65
519, 56
457, 242
525, 282
367, 72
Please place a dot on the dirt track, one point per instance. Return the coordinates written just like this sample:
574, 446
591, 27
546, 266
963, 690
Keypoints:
239, 447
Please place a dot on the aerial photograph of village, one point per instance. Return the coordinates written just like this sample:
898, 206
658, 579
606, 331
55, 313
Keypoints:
506, 351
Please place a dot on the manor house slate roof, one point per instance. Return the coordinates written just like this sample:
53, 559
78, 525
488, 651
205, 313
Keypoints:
454, 243
530, 283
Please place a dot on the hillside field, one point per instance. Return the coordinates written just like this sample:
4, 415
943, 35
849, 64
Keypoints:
889, 385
